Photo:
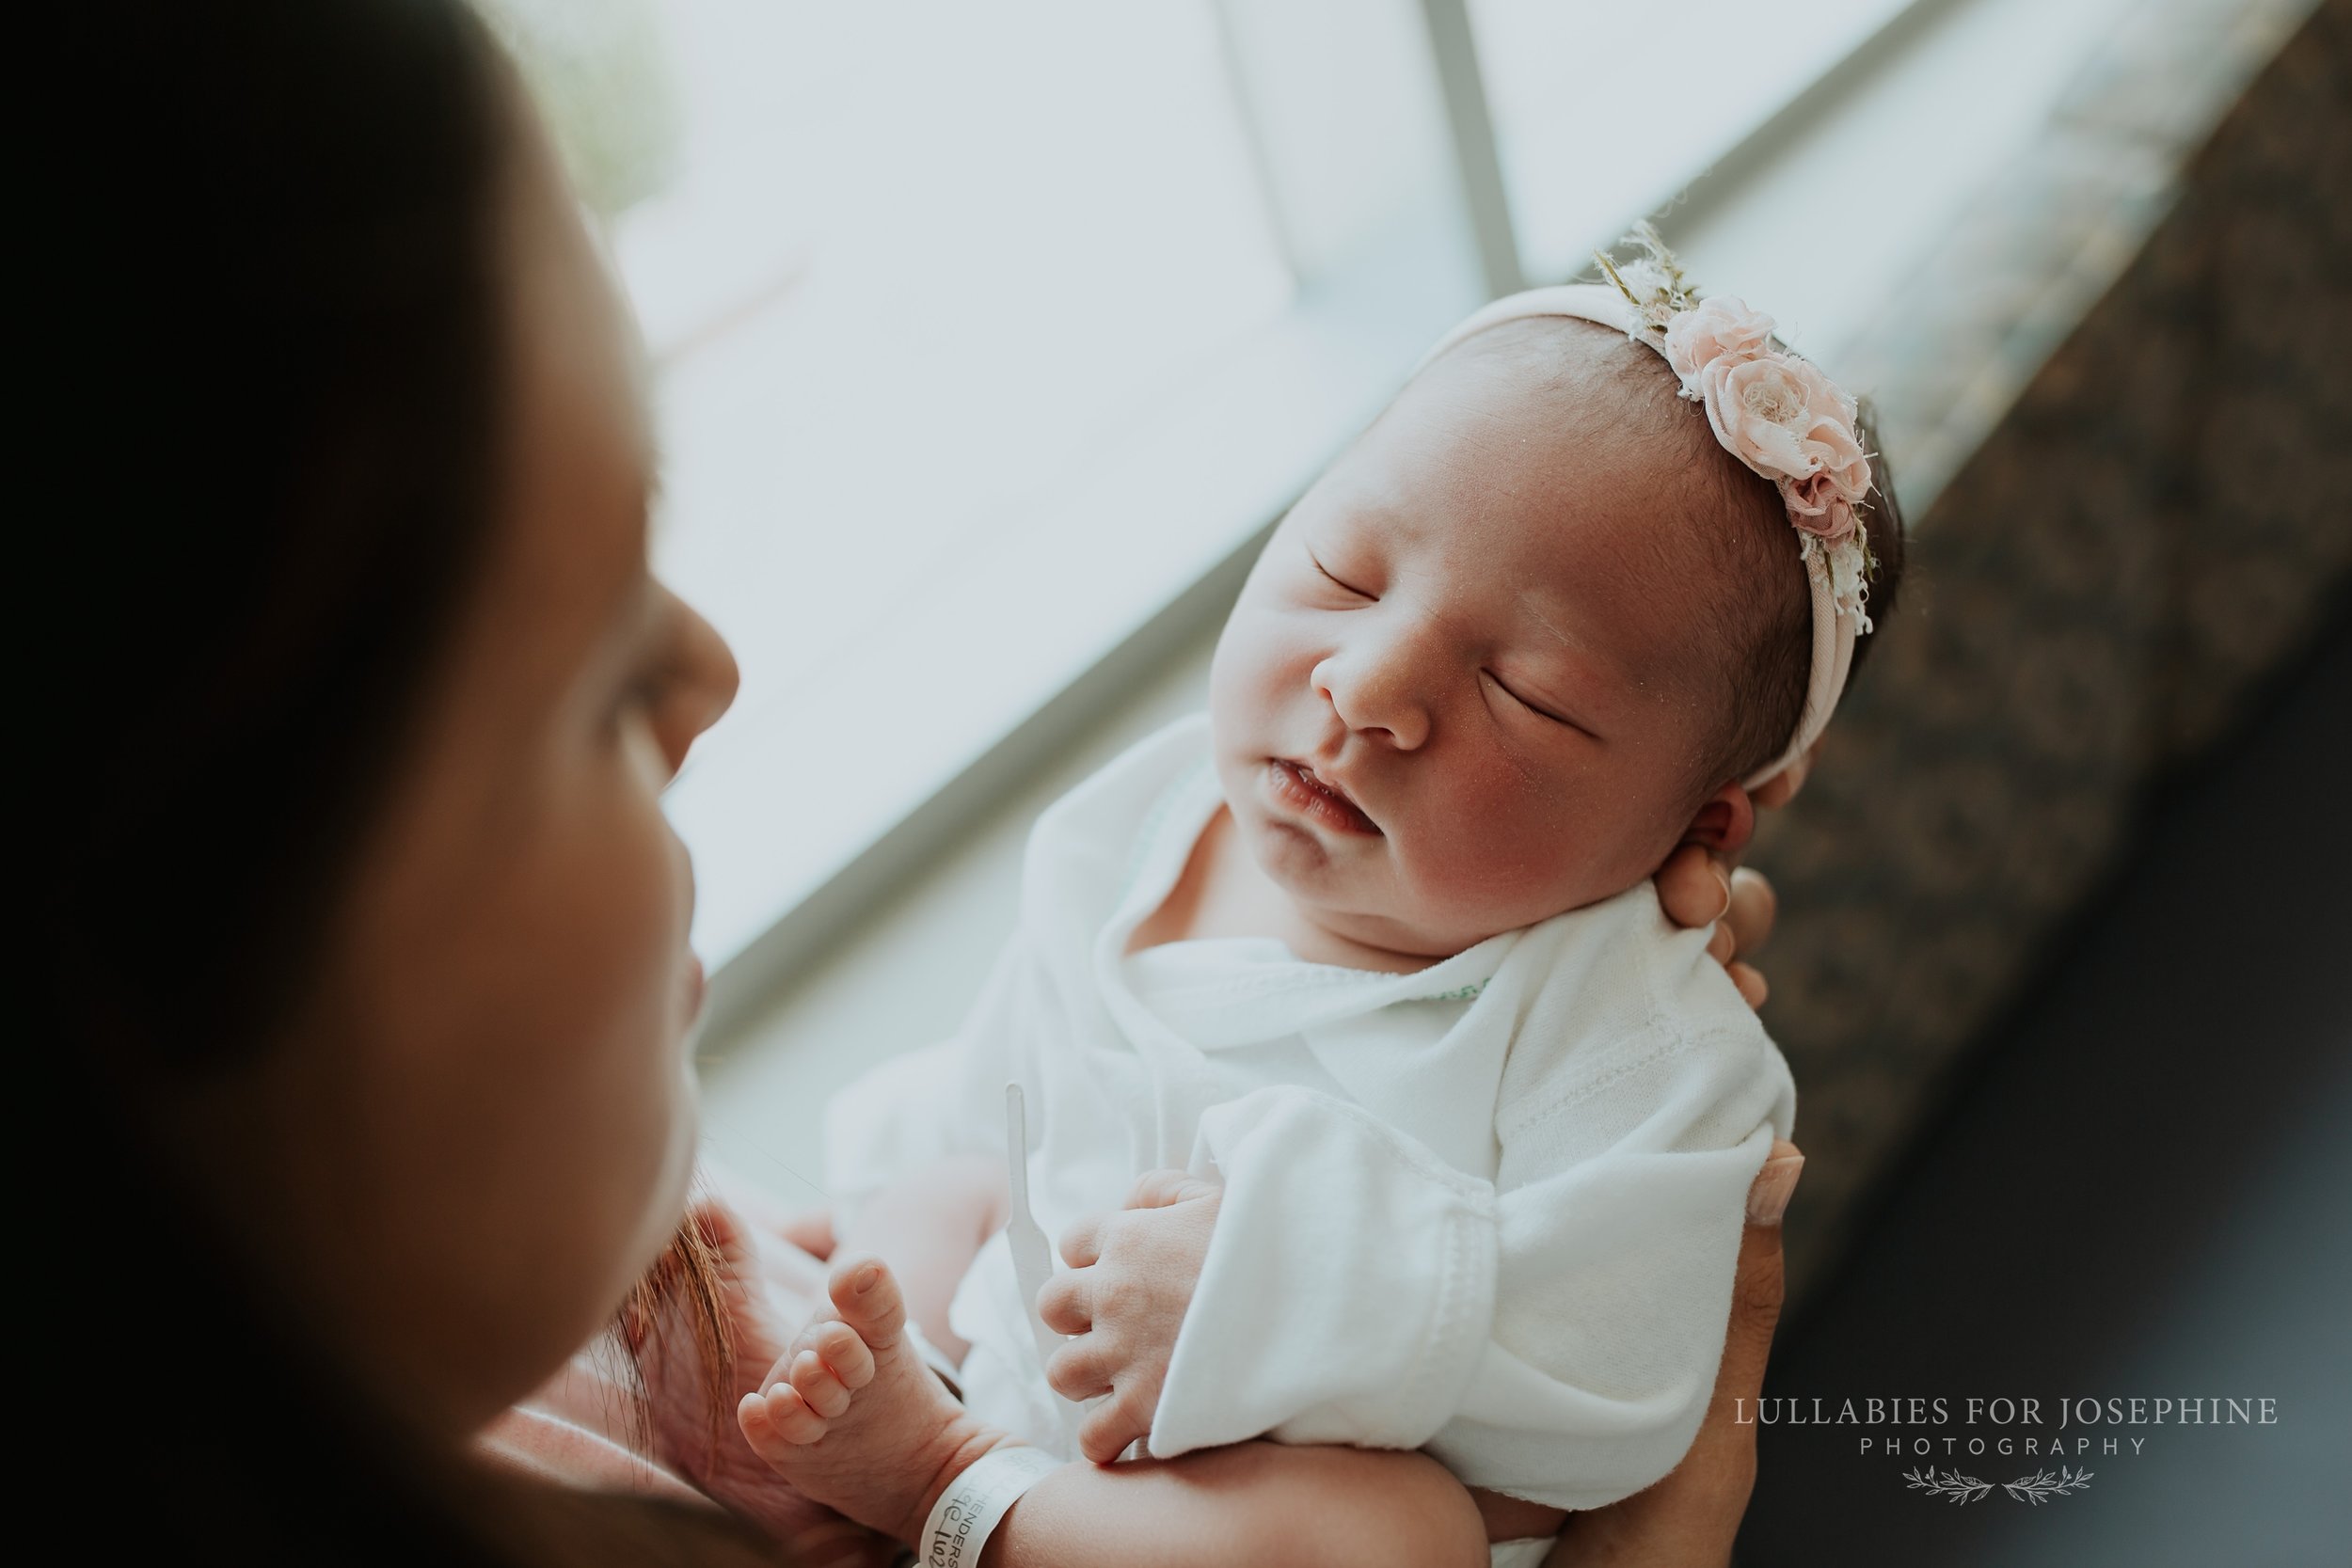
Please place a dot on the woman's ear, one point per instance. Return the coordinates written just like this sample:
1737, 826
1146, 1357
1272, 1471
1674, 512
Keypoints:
1724, 821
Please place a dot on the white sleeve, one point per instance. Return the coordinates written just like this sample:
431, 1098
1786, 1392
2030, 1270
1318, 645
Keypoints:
923, 1106
1303, 1324
1553, 1335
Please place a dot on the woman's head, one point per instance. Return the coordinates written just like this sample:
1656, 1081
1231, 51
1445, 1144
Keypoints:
371, 920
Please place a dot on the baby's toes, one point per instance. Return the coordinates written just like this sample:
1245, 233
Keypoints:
778, 1421
865, 1293
841, 1349
817, 1386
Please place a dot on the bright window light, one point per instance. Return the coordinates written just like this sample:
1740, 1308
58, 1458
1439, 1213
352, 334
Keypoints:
904, 265
1604, 109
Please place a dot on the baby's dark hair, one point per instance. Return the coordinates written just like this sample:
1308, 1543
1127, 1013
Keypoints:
1766, 636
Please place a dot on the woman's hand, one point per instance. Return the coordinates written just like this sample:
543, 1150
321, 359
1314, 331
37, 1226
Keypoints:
1689, 1519
1698, 887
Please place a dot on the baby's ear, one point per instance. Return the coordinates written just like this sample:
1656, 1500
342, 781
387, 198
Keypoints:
1723, 822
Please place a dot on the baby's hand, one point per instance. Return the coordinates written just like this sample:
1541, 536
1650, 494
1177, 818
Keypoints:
1131, 1278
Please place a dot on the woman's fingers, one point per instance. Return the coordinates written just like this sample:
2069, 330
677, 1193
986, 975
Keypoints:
1692, 1515
1754, 908
1757, 1285
1782, 789
1692, 888
1695, 890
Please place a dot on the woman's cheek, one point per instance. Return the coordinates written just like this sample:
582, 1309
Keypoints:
665, 1000
632, 891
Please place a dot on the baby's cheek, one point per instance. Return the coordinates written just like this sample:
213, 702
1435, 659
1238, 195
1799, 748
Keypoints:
1261, 670
1481, 863
1505, 853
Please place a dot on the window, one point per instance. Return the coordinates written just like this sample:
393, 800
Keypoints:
983, 333
917, 260
1604, 111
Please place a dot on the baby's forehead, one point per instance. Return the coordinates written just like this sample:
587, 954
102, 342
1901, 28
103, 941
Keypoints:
1566, 445
1554, 417
1579, 378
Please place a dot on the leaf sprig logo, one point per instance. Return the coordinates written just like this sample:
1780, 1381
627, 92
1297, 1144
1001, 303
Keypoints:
2039, 1489
1952, 1485
2036, 1489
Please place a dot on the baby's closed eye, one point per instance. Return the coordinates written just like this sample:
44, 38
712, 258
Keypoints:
1534, 704
1335, 579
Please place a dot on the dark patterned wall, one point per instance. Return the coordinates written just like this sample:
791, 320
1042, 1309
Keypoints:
2160, 524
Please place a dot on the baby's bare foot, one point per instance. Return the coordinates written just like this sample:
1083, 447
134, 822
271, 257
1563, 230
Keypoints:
851, 1416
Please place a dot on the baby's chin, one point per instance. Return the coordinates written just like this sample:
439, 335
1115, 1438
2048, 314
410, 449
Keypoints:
1375, 918
1431, 928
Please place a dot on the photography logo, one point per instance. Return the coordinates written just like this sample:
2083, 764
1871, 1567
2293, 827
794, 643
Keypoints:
2059, 1435
2037, 1488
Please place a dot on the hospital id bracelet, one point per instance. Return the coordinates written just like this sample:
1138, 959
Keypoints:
968, 1512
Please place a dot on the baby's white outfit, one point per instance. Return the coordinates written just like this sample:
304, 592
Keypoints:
1489, 1209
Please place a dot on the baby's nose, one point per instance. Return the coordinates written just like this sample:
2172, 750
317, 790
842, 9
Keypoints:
1374, 697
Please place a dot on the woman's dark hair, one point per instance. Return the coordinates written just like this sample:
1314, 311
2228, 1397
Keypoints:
300, 386
275, 394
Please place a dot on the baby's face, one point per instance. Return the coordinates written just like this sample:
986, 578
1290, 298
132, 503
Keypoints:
1462, 691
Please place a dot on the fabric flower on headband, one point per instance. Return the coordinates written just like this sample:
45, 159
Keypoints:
1774, 411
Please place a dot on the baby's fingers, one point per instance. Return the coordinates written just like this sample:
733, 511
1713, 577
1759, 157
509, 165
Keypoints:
1081, 1370
1115, 1424
1158, 1189
1065, 1303
1082, 1244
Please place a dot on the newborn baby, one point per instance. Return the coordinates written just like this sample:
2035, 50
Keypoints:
1372, 953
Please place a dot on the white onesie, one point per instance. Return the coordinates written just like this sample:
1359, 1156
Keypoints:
1489, 1209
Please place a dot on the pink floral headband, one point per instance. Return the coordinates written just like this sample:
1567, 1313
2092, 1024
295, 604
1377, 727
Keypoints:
1774, 411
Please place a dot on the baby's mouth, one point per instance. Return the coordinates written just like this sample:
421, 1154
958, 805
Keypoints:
1306, 792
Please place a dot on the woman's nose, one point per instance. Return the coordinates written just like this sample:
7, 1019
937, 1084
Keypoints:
707, 680
1375, 687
